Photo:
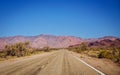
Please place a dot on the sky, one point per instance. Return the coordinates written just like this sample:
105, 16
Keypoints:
81, 18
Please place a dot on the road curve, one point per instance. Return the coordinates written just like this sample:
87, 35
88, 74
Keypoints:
60, 62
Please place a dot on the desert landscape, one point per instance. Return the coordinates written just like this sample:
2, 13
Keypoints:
59, 55
59, 37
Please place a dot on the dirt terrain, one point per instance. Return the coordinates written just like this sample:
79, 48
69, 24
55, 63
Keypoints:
61, 62
105, 65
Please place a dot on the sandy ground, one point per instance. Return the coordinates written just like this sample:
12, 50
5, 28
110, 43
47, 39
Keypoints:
60, 62
105, 65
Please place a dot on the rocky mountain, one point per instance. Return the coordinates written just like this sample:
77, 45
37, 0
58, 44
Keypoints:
42, 40
105, 42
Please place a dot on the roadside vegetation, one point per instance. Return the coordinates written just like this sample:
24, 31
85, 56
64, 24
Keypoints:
21, 49
112, 53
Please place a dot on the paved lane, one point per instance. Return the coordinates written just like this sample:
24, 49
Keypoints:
60, 62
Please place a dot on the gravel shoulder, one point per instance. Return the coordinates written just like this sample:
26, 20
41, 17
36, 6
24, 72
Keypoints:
105, 65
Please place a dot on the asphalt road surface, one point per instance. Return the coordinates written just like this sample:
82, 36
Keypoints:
60, 62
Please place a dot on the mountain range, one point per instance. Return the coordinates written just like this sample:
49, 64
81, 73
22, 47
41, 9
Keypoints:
52, 41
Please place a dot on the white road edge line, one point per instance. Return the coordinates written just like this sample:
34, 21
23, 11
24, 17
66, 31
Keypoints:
89, 65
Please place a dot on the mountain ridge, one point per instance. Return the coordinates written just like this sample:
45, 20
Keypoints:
52, 41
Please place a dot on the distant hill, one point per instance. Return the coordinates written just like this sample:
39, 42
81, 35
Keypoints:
107, 41
41, 41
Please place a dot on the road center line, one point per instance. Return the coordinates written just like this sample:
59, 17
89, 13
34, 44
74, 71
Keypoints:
89, 65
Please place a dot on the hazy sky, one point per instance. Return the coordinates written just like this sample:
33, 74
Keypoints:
82, 18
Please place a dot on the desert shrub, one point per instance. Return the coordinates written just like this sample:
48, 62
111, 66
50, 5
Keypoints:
21, 49
46, 49
93, 53
83, 47
79, 49
18, 49
105, 54
116, 54
2, 54
112, 53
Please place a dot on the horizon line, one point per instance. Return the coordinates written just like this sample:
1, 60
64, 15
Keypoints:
57, 36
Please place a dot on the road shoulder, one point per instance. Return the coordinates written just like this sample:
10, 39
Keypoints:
105, 65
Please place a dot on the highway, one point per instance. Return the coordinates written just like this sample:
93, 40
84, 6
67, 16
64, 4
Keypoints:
61, 62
